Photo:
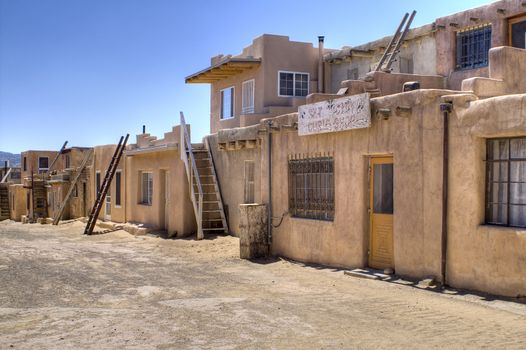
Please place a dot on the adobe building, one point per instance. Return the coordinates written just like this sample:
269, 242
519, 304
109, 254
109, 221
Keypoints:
270, 77
417, 56
427, 182
61, 180
158, 192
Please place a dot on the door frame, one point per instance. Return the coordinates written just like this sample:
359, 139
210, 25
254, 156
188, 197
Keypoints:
377, 159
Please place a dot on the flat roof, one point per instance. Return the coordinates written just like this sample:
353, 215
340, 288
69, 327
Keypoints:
224, 69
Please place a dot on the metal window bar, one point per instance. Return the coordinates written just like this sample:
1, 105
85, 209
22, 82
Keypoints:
311, 187
473, 46
498, 172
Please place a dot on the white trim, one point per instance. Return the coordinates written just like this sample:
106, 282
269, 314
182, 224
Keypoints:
293, 83
233, 103
249, 110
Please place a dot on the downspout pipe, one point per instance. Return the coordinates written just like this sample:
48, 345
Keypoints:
269, 174
321, 75
445, 108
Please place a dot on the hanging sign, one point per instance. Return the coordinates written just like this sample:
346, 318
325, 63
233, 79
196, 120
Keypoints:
345, 113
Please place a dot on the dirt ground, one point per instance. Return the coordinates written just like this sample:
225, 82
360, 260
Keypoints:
61, 289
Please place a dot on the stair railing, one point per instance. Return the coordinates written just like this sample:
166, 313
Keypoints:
192, 173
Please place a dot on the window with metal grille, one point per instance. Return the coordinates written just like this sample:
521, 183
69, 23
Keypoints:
293, 84
311, 188
249, 181
506, 181
473, 46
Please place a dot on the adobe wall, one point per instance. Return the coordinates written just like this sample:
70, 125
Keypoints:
32, 161
420, 49
181, 221
101, 159
275, 52
17, 201
417, 188
449, 25
230, 168
482, 257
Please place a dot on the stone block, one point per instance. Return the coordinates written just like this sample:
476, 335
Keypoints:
253, 231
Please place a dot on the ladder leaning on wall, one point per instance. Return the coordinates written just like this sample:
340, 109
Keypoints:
60, 212
110, 172
393, 48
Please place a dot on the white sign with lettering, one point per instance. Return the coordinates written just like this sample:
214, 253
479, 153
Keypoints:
351, 112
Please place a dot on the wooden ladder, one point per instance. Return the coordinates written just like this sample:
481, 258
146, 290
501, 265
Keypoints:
394, 45
60, 212
56, 157
101, 196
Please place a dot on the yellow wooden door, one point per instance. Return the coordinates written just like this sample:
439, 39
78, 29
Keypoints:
381, 213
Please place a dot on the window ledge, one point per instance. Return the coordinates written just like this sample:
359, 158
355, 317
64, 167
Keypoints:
311, 220
145, 204
491, 227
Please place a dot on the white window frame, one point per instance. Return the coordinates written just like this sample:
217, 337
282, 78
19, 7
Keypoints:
221, 117
43, 169
249, 109
149, 195
293, 83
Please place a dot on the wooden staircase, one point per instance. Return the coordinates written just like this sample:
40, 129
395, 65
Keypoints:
4, 203
205, 191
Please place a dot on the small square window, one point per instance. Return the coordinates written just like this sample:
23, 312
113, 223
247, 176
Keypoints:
293, 84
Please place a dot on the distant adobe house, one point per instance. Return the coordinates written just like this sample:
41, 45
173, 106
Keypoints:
270, 77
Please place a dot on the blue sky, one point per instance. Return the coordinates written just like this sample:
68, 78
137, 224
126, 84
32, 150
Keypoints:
88, 71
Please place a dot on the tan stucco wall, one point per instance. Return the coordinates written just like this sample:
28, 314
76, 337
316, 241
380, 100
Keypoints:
417, 189
32, 161
101, 159
344, 242
482, 257
275, 52
446, 37
230, 168
420, 49
17, 201
182, 220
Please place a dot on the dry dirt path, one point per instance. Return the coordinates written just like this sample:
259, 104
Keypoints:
60, 289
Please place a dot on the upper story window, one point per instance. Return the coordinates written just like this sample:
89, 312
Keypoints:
473, 46
506, 181
293, 84
43, 164
227, 103
247, 97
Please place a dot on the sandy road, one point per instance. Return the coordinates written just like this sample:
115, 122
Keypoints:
60, 289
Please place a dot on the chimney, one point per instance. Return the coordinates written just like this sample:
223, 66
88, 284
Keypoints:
321, 75
144, 129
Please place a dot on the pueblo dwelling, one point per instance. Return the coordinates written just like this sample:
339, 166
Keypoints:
406, 154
